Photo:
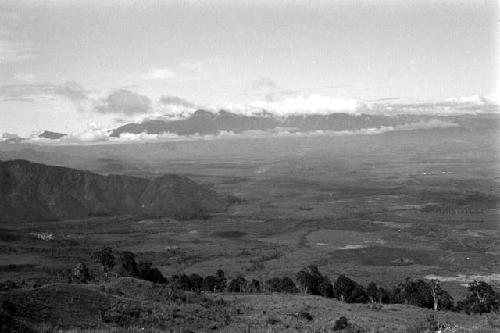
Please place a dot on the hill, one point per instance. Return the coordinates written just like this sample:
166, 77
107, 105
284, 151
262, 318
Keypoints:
32, 191
134, 305
51, 135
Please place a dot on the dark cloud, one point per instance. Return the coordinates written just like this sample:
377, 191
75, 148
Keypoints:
126, 102
176, 101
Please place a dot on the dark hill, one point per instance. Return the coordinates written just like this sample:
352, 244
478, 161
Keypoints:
32, 191
51, 135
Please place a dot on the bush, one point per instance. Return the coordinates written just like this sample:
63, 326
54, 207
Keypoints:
341, 324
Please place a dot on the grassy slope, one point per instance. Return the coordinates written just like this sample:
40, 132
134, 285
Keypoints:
135, 304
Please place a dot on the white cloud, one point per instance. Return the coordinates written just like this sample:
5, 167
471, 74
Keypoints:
24, 77
14, 51
159, 74
311, 104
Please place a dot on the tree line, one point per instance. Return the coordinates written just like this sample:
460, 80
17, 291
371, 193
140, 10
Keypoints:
481, 298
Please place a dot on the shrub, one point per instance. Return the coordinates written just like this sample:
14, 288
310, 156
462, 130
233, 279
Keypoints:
341, 324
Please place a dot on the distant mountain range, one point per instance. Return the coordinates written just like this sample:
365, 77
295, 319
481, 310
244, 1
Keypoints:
204, 122
32, 192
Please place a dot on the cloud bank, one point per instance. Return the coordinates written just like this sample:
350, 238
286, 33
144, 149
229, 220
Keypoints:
96, 135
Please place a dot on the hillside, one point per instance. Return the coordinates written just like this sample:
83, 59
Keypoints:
32, 191
136, 305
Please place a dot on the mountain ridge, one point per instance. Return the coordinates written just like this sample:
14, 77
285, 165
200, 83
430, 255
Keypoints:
33, 191
203, 122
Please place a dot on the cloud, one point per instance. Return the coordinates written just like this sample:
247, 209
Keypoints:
27, 92
159, 74
175, 101
264, 83
458, 105
24, 77
311, 104
12, 47
33, 92
97, 135
125, 102
71, 90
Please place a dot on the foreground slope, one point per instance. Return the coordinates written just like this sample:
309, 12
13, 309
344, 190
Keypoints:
32, 191
135, 305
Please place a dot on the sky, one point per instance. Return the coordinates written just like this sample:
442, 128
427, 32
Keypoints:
67, 66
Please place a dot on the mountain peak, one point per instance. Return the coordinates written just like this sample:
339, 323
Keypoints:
51, 135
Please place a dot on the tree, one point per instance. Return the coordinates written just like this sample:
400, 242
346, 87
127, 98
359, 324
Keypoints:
435, 289
237, 285
220, 280
442, 300
128, 265
196, 282
105, 257
325, 288
182, 282
343, 288
415, 292
482, 298
80, 273
254, 286
309, 279
372, 292
274, 284
209, 283
146, 271
288, 286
